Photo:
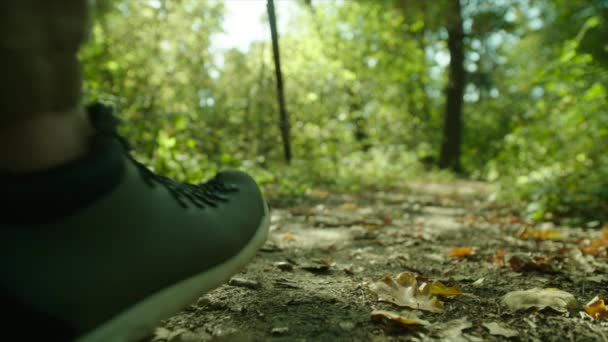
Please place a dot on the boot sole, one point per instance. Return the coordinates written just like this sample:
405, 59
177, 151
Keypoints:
138, 322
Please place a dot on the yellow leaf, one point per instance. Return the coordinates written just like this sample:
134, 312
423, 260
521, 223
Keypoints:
438, 288
527, 233
288, 237
461, 252
499, 258
403, 290
596, 308
348, 206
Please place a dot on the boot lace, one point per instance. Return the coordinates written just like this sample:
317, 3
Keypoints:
201, 195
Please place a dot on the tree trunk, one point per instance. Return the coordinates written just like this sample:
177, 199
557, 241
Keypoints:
452, 123
283, 119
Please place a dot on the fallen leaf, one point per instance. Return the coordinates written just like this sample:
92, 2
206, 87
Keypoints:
452, 330
288, 237
580, 263
387, 220
558, 300
403, 290
599, 278
469, 219
478, 282
499, 258
326, 261
528, 233
596, 308
498, 330
372, 226
461, 252
348, 206
524, 262
301, 210
438, 288
597, 245
407, 320
515, 219
319, 194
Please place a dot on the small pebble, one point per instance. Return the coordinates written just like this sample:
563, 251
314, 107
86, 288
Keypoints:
316, 268
347, 325
284, 266
279, 330
242, 282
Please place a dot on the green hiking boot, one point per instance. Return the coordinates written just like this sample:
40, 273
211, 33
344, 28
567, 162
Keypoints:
102, 249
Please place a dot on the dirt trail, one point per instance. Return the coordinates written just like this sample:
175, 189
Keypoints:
312, 281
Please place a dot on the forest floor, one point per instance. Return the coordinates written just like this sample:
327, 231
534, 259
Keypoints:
325, 274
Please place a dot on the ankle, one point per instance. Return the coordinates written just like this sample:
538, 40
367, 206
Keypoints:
43, 141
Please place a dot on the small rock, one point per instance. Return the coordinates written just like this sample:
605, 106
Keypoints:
242, 282
279, 330
284, 266
346, 325
270, 247
237, 308
286, 283
316, 268
203, 301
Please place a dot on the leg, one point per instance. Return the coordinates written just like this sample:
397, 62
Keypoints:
94, 246
42, 123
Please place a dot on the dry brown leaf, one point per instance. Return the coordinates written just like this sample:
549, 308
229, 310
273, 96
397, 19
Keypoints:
326, 261
469, 219
595, 246
403, 290
596, 308
461, 252
499, 258
288, 237
302, 211
387, 220
524, 263
515, 219
407, 320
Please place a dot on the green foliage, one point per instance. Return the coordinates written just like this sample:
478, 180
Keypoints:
365, 87
556, 155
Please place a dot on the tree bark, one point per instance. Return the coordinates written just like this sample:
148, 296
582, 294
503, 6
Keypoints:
283, 119
452, 123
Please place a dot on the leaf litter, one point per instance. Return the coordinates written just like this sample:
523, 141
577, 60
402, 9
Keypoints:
403, 290
494, 264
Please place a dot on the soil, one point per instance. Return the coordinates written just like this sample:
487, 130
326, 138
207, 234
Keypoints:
313, 279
